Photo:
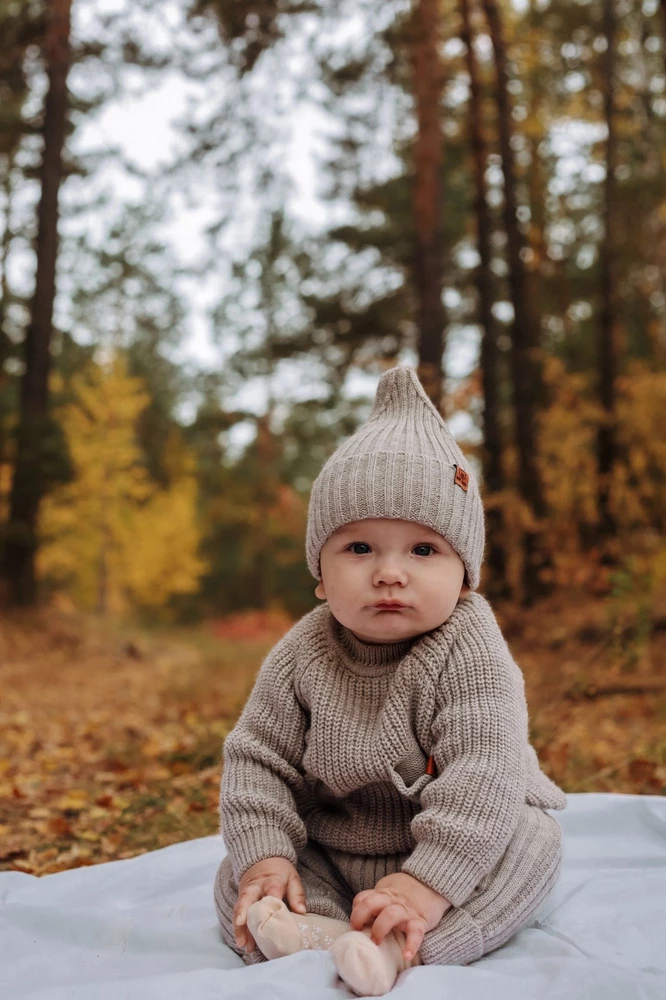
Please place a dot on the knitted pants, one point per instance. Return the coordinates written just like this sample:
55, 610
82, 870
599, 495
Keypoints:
501, 904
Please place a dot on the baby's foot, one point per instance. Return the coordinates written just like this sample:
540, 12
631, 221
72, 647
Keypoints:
279, 932
367, 968
273, 928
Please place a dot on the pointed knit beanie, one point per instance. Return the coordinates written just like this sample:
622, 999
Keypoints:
403, 463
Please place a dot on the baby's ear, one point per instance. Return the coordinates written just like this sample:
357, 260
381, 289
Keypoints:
319, 590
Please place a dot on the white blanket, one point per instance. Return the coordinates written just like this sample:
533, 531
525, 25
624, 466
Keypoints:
146, 928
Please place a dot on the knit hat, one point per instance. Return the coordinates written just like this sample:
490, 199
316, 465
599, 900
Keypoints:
403, 463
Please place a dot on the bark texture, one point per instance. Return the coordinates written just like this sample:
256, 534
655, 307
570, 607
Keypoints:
428, 196
606, 439
490, 356
28, 482
528, 389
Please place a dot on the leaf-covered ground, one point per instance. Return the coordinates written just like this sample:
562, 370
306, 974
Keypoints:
110, 739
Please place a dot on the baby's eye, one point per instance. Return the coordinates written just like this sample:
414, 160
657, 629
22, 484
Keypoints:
362, 544
424, 546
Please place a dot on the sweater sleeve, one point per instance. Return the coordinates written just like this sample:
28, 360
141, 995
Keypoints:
262, 753
470, 810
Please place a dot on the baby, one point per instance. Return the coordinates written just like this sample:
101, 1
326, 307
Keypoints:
380, 778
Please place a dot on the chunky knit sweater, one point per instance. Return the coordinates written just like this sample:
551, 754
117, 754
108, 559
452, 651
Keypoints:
333, 746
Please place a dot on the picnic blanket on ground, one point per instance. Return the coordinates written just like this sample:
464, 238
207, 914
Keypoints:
146, 928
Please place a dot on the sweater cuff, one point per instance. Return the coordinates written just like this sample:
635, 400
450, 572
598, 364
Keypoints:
450, 876
257, 843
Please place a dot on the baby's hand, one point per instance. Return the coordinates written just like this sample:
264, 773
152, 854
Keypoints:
403, 902
270, 877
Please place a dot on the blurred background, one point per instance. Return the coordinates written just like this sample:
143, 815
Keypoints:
220, 222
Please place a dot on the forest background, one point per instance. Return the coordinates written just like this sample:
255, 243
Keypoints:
479, 192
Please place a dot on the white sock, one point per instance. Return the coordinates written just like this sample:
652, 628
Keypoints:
279, 932
367, 968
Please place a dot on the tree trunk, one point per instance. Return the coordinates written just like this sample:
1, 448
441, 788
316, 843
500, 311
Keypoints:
105, 545
527, 380
102, 605
5, 343
606, 442
267, 450
490, 357
27, 487
428, 211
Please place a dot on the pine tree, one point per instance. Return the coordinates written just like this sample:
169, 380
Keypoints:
35, 428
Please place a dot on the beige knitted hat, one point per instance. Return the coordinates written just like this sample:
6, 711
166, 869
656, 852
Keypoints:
403, 463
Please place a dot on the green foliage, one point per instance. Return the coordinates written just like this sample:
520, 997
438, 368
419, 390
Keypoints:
46, 451
21, 26
254, 527
630, 613
344, 300
250, 26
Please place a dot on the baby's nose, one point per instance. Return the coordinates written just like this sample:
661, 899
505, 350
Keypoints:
390, 573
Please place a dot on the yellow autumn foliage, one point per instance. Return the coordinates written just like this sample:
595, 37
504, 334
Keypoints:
5, 488
111, 538
114, 540
164, 545
567, 463
639, 486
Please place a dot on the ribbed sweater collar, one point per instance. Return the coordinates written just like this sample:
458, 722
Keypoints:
370, 659
366, 657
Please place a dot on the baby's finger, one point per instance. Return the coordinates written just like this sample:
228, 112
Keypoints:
296, 894
273, 885
415, 933
245, 899
361, 899
244, 939
389, 918
365, 909
363, 894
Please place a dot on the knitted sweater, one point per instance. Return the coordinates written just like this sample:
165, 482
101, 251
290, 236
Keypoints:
333, 742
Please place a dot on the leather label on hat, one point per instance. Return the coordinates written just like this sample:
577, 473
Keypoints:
462, 478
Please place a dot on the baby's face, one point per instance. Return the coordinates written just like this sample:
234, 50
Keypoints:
387, 559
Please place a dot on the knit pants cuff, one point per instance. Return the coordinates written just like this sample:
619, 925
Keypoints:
457, 940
